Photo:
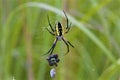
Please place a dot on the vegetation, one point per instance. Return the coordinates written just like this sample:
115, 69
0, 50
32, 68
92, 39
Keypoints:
94, 33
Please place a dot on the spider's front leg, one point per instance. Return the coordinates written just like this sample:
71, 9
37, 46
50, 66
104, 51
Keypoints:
70, 44
53, 46
67, 43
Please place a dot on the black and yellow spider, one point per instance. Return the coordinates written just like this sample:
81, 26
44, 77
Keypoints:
58, 32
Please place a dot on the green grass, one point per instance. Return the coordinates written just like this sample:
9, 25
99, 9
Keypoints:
94, 33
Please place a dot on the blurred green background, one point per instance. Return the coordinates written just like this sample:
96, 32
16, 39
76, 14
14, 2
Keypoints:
95, 33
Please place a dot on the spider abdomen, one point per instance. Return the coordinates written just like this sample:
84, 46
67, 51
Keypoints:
59, 29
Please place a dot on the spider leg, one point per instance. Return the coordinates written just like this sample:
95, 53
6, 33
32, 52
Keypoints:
50, 23
52, 48
66, 44
50, 32
67, 30
66, 19
70, 44
54, 44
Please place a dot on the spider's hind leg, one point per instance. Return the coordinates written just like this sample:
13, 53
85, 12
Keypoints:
50, 24
50, 32
67, 30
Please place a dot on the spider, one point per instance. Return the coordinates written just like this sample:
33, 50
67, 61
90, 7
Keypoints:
58, 32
